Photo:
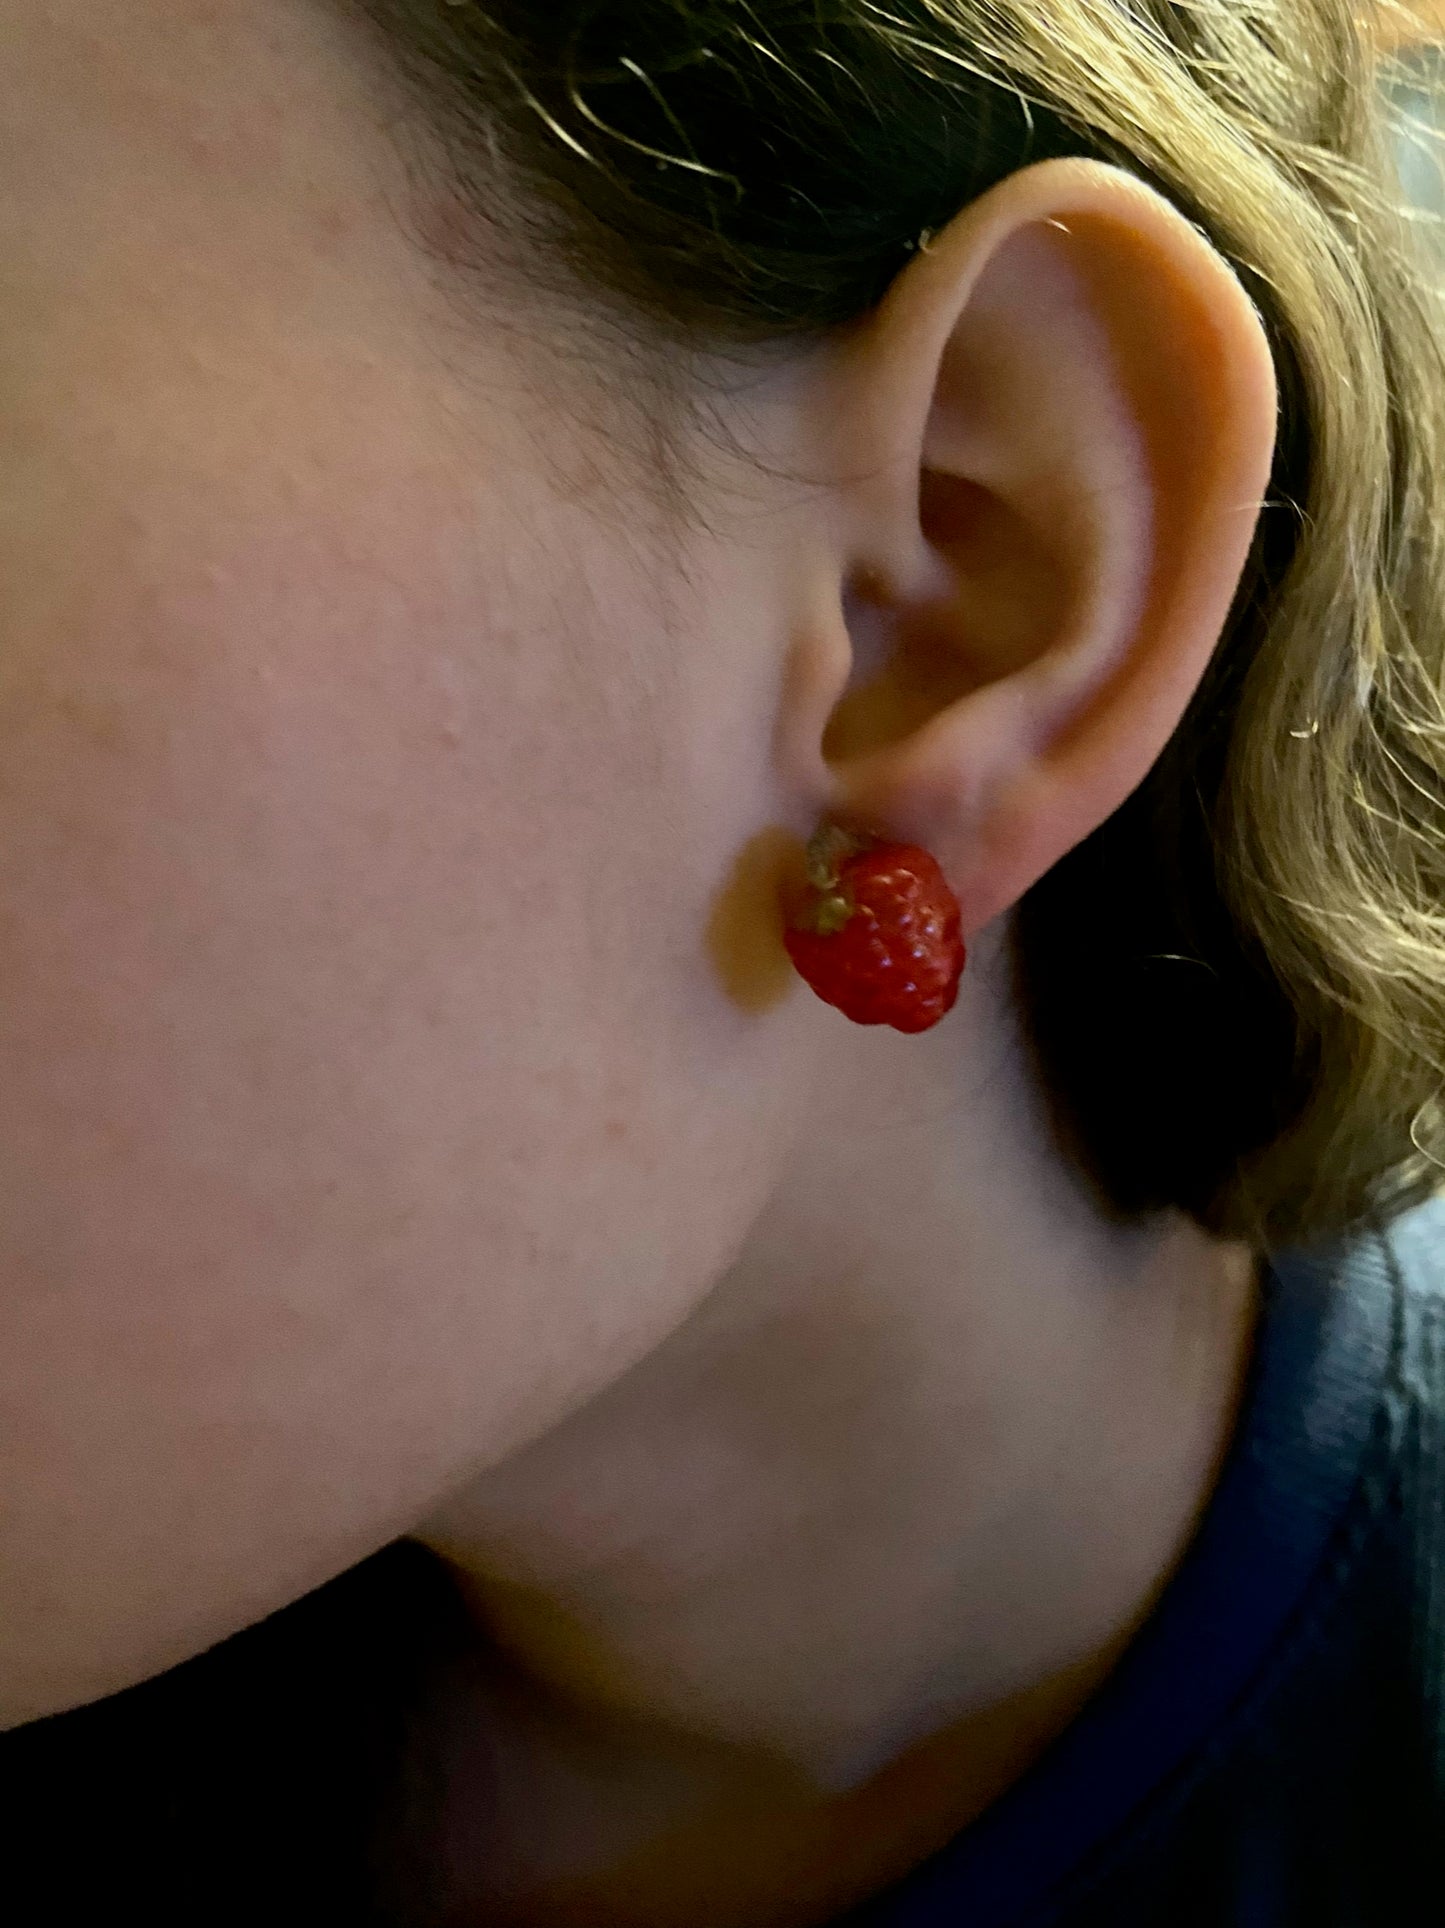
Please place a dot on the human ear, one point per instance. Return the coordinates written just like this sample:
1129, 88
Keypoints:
1045, 454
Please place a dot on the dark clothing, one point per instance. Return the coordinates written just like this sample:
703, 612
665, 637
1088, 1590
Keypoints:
1270, 1753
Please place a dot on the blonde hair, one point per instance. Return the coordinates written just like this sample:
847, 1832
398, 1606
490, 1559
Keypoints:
1236, 987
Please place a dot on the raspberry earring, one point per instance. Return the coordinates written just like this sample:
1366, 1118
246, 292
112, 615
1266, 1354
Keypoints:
878, 934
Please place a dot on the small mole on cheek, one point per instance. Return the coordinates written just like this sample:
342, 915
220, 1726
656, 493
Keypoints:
744, 936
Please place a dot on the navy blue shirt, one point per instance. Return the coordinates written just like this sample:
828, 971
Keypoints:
1269, 1753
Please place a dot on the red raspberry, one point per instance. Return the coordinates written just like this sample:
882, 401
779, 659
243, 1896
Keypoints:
879, 933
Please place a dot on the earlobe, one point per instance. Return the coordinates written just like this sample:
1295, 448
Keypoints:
1051, 441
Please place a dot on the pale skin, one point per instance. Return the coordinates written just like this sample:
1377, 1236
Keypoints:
409, 1122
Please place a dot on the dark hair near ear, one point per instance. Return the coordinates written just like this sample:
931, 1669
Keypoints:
1235, 987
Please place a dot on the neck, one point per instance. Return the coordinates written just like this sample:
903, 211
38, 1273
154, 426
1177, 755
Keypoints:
881, 1514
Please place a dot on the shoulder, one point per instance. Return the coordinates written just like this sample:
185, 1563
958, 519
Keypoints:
1415, 1242
1409, 1487
1413, 1250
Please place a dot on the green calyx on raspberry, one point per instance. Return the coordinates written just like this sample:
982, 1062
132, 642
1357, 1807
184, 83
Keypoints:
829, 848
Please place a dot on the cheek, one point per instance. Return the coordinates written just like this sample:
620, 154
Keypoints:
369, 1097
